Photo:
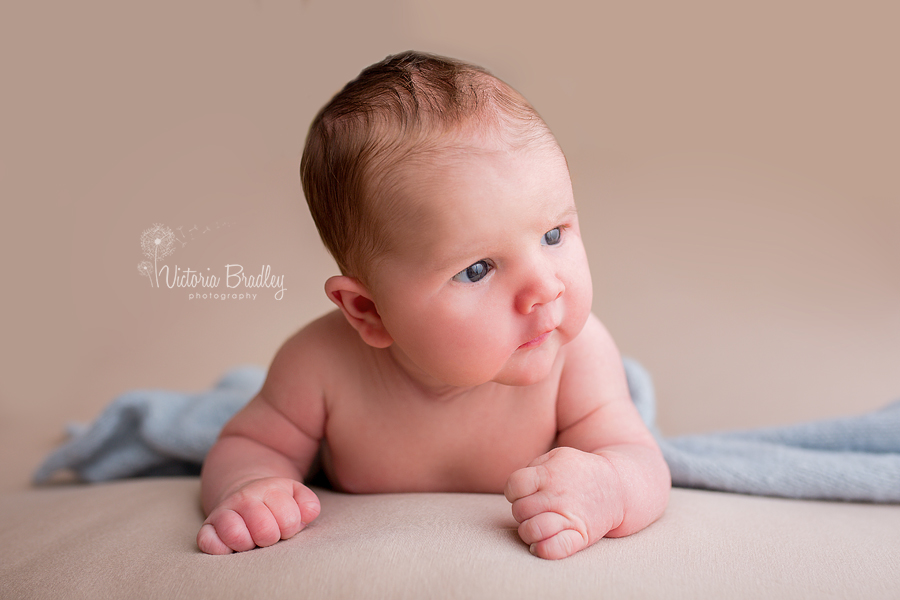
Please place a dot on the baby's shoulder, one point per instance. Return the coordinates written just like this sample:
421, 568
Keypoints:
592, 374
317, 350
592, 355
594, 338
303, 373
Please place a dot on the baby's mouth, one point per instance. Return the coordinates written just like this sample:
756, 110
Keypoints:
536, 341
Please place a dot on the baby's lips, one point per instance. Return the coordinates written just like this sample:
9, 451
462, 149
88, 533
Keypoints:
538, 340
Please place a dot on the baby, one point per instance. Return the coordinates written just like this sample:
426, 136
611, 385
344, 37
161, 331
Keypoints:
463, 356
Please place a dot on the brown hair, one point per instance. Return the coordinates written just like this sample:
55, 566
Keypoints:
394, 110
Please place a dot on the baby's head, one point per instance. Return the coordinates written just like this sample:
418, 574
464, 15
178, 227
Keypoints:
447, 204
409, 110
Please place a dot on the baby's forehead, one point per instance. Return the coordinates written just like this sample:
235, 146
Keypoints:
452, 187
454, 150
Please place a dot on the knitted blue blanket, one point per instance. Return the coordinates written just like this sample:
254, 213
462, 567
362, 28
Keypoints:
157, 432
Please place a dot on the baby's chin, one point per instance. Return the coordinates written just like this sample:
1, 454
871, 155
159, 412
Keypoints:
517, 376
522, 379
524, 367
535, 369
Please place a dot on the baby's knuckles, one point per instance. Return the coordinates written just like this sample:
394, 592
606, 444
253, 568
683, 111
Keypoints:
263, 526
562, 545
231, 530
257, 514
209, 542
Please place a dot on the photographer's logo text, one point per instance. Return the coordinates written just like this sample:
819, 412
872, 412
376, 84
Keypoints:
159, 242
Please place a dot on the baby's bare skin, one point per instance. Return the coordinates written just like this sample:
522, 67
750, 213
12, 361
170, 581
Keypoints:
431, 379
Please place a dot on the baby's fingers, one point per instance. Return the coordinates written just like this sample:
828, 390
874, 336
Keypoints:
543, 526
522, 483
209, 541
287, 517
565, 543
308, 502
291, 513
229, 528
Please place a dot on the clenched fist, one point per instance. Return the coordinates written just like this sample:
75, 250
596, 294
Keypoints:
564, 501
259, 513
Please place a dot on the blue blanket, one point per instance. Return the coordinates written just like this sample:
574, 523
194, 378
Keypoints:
156, 432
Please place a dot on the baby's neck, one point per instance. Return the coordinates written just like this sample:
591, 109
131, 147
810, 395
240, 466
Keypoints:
421, 384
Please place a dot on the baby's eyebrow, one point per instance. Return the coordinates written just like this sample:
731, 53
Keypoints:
569, 212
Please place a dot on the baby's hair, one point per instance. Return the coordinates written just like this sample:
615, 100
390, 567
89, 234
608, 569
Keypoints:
405, 107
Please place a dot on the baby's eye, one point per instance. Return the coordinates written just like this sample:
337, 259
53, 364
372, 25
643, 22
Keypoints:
551, 238
473, 273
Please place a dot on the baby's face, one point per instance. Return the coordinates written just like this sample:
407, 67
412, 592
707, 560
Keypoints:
488, 277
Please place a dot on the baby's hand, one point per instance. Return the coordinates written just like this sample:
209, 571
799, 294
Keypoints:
259, 513
564, 501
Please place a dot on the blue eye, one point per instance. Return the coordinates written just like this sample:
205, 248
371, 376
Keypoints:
473, 273
551, 238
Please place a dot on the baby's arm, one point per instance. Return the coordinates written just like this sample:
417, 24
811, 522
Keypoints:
607, 476
251, 481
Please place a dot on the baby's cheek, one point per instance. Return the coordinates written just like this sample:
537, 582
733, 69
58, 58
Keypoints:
578, 311
469, 355
582, 281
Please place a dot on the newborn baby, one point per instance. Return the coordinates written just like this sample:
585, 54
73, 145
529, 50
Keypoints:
463, 355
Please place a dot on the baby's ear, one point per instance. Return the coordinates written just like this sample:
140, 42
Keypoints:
359, 309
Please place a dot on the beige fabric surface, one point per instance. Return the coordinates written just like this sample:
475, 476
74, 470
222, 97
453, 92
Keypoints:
735, 172
135, 539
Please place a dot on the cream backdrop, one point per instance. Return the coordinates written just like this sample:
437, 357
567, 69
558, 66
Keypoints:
735, 166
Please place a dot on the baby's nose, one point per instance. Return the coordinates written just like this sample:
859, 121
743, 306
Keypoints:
544, 287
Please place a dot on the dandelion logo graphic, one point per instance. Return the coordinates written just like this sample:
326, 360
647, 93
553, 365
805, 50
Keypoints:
146, 269
157, 243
